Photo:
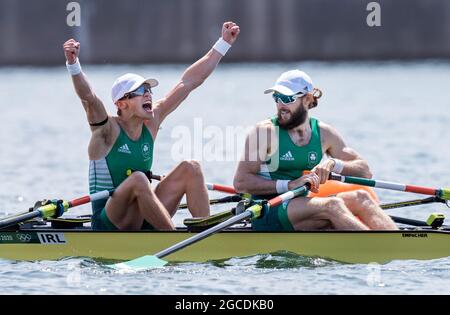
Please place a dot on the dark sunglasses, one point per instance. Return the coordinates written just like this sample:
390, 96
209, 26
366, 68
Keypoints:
140, 91
286, 99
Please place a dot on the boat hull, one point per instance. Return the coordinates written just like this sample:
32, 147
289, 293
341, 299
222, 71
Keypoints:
344, 246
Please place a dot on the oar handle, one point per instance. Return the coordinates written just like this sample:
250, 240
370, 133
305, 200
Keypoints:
101, 195
222, 188
289, 195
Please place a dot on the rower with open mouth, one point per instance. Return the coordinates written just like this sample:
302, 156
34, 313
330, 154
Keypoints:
121, 147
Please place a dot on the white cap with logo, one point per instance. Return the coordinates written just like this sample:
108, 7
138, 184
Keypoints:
128, 83
292, 82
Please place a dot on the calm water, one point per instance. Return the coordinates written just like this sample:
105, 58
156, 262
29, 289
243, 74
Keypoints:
394, 114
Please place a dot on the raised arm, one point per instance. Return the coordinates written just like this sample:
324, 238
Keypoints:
197, 73
95, 110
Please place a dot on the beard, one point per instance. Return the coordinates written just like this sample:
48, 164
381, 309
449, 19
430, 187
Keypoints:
297, 118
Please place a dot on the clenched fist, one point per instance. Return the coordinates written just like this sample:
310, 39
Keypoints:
71, 50
230, 32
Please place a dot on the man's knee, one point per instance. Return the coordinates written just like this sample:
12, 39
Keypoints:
333, 206
138, 179
358, 196
191, 168
139, 183
333, 203
364, 196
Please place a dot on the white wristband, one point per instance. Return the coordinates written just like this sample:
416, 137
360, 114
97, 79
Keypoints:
282, 186
338, 166
221, 46
74, 69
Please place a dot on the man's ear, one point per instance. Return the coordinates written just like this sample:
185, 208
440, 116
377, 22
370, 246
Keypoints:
121, 104
310, 99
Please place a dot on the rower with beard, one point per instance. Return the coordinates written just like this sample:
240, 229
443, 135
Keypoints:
123, 143
279, 151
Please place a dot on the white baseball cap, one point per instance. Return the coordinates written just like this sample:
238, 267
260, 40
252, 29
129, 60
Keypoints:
292, 82
127, 83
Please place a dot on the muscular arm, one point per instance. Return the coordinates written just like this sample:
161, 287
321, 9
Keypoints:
95, 110
257, 148
354, 164
194, 76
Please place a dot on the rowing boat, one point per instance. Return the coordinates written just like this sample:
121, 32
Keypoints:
39, 234
47, 243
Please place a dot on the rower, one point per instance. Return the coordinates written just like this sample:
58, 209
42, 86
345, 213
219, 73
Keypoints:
126, 141
281, 148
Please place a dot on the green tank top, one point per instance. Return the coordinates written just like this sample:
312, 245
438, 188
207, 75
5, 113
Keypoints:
109, 172
290, 160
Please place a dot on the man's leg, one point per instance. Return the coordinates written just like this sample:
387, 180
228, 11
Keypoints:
320, 213
361, 204
133, 202
186, 178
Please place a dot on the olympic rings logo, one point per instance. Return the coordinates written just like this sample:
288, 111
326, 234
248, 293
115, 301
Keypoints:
24, 238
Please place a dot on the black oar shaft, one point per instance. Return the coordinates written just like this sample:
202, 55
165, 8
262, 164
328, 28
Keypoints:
245, 215
408, 221
21, 218
226, 199
415, 202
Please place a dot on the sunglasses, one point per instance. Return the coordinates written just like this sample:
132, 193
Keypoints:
140, 91
286, 99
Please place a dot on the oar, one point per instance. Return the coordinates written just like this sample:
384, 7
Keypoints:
443, 193
226, 199
53, 210
223, 215
149, 261
407, 221
221, 188
415, 202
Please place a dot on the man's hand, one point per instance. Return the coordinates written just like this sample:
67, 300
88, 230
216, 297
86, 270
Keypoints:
71, 50
230, 32
323, 170
311, 178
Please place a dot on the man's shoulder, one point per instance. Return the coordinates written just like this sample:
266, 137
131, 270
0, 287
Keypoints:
107, 131
325, 127
328, 133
